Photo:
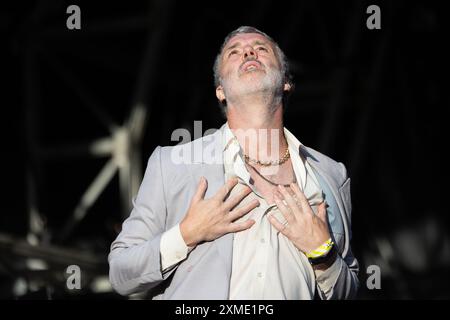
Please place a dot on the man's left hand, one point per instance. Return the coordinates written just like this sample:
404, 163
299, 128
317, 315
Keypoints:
303, 228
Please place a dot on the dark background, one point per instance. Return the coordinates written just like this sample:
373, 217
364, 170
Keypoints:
372, 99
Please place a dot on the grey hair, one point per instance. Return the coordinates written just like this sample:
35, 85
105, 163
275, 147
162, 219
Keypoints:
247, 29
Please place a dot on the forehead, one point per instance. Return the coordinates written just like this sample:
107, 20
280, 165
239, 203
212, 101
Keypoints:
246, 38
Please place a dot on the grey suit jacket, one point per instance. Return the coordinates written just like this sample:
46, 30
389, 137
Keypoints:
163, 200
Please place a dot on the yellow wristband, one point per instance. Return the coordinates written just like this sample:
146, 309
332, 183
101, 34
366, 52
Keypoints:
321, 250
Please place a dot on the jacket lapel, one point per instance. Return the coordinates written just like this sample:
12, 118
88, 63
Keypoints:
212, 169
335, 190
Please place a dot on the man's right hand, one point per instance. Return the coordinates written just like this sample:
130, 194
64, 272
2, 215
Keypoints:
209, 219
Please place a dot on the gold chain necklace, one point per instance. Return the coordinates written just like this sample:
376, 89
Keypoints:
278, 162
271, 182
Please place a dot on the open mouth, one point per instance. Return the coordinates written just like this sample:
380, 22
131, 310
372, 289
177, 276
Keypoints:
251, 66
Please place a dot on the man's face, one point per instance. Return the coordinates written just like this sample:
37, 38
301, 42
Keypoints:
249, 65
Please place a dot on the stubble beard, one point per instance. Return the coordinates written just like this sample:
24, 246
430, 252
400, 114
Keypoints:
266, 86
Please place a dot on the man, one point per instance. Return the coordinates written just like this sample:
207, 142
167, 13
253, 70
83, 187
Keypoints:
268, 219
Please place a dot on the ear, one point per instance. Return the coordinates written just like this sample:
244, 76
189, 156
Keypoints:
219, 93
287, 87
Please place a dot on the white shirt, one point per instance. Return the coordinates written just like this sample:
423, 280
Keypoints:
266, 265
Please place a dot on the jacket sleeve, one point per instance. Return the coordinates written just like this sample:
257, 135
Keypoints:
346, 284
134, 259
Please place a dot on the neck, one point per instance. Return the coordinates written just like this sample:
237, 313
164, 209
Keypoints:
259, 129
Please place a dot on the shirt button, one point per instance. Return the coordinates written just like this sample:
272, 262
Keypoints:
262, 240
259, 274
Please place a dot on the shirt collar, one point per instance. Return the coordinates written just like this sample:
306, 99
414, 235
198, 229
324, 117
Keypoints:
233, 153
234, 163
229, 138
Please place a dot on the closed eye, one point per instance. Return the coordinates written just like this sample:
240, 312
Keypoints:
262, 49
232, 52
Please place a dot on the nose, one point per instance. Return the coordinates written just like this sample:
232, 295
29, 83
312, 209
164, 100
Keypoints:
249, 52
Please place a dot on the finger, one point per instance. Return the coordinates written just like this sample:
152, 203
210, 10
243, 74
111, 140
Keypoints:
226, 188
285, 211
236, 214
230, 203
241, 226
290, 191
322, 212
277, 224
278, 193
201, 190
291, 203
301, 199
